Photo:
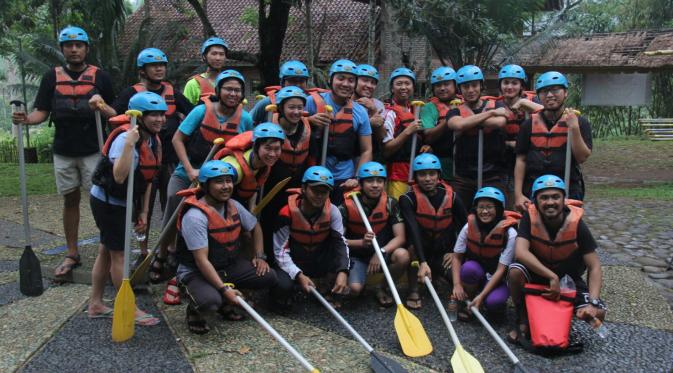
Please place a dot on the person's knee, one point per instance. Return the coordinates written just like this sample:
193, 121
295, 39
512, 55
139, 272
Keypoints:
471, 272
356, 288
401, 257
209, 301
71, 200
516, 278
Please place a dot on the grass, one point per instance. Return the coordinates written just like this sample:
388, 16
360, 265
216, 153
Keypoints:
39, 179
631, 158
655, 191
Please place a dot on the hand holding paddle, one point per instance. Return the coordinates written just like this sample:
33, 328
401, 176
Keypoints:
270, 110
414, 140
325, 137
569, 140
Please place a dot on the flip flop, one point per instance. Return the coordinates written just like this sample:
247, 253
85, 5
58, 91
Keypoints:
147, 320
107, 314
414, 300
384, 298
68, 267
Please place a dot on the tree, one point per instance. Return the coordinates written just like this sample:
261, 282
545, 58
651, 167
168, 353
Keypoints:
273, 19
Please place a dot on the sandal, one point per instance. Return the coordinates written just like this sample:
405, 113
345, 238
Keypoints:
229, 312
383, 297
515, 336
64, 269
172, 294
156, 271
147, 319
414, 300
107, 314
195, 323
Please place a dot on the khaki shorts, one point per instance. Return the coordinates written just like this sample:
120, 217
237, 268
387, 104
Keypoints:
74, 172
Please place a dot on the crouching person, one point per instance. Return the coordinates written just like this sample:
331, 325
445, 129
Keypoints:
208, 249
308, 241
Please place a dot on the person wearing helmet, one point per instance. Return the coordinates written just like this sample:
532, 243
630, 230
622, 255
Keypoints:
308, 241
542, 140
350, 133
292, 74
142, 146
472, 116
368, 79
401, 126
68, 95
553, 241
433, 117
385, 218
214, 55
483, 251
211, 259
431, 210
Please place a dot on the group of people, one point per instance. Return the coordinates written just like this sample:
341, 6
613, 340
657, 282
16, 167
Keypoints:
438, 183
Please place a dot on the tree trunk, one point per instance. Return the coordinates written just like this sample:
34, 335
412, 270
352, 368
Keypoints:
309, 40
272, 27
208, 29
371, 36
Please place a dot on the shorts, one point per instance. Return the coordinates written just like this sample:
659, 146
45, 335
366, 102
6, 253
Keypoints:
110, 220
581, 297
358, 270
74, 172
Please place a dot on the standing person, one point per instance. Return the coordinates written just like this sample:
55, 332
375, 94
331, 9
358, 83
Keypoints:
209, 249
140, 145
512, 81
554, 241
350, 134
214, 55
431, 210
483, 252
401, 126
292, 74
388, 229
69, 95
542, 141
468, 119
368, 79
433, 117
308, 240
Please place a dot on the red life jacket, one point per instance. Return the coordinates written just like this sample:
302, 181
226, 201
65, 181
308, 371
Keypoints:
553, 252
205, 86
442, 108
398, 165
167, 94
547, 147
466, 111
378, 218
343, 142
433, 221
149, 161
71, 97
271, 93
223, 231
294, 157
302, 232
250, 182
487, 250
201, 141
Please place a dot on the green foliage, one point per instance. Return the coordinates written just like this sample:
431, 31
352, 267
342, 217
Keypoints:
249, 16
40, 138
39, 179
658, 192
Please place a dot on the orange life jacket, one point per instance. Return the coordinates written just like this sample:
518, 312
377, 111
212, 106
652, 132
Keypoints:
168, 94
302, 232
271, 93
466, 111
378, 218
547, 147
149, 160
71, 97
201, 141
487, 250
404, 116
434, 221
343, 142
442, 108
294, 157
552, 252
205, 86
250, 182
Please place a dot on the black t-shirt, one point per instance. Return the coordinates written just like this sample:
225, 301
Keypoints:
182, 105
73, 139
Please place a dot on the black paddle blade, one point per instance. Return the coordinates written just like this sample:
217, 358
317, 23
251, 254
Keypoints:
519, 368
30, 274
382, 364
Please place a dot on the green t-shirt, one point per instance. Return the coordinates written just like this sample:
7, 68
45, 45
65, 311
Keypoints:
193, 90
429, 115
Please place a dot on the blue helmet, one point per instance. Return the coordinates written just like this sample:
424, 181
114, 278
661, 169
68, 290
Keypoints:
343, 66
426, 161
402, 71
368, 71
268, 130
512, 71
147, 101
293, 69
550, 78
548, 182
72, 33
469, 73
442, 74
490, 192
290, 92
150, 55
213, 40
213, 169
228, 74
372, 169
318, 175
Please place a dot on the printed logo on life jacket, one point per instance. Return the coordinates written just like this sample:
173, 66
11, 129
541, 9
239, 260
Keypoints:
87, 77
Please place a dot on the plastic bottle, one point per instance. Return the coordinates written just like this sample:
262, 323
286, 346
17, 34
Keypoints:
140, 236
567, 284
599, 327
452, 309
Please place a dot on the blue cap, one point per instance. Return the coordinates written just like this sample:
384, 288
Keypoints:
73, 33
442, 74
215, 168
289, 92
228, 74
318, 175
147, 101
150, 55
490, 192
368, 71
426, 161
213, 40
293, 69
268, 130
469, 73
402, 71
548, 182
372, 169
550, 78
343, 66
512, 71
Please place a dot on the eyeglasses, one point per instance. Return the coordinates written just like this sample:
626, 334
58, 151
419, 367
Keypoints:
554, 91
486, 208
232, 90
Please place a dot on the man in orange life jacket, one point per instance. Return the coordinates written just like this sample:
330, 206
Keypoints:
214, 55
431, 211
541, 143
474, 114
350, 134
292, 73
368, 79
554, 241
140, 145
68, 95
209, 252
384, 215
308, 240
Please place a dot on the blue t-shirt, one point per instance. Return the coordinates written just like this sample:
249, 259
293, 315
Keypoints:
192, 122
115, 152
258, 114
344, 169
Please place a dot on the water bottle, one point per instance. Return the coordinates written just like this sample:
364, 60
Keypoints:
452, 309
140, 236
599, 327
567, 284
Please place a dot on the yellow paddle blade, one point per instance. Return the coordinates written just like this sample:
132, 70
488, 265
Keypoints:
410, 332
463, 362
123, 321
138, 275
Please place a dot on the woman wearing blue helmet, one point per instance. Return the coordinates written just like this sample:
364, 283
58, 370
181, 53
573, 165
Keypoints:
292, 74
368, 79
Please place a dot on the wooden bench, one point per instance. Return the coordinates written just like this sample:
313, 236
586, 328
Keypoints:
658, 129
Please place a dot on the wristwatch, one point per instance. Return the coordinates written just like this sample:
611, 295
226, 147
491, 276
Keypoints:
261, 256
598, 303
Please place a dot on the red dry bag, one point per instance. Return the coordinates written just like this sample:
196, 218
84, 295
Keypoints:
549, 321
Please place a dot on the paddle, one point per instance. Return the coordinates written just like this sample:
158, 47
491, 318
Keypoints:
461, 361
454, 103
123, 321
99, 130
30, 273
269, 196
302, 360
518, 366
414, 140
413, 339
378, 362
325, 138
569, 140
169, 229
270, 109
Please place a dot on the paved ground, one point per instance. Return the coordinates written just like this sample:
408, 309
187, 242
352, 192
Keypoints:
51, 332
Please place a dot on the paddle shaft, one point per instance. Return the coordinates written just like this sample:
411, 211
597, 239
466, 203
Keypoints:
99, 130
325, 139
24, 193
129, 206
275, 334
445, 317
480, 159
569, 152
414, 143
495, 335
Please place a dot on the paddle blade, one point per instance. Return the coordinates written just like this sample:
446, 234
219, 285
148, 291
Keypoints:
30, 274
123, 321
463, 362
410, 332
138, 276
382, 364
